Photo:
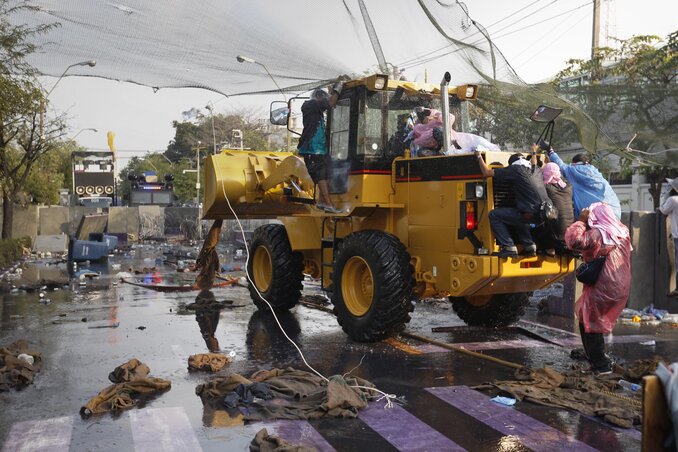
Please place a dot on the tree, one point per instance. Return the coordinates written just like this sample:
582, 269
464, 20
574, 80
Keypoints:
184, 183
51, 172
187, 134
24, 134
631, 92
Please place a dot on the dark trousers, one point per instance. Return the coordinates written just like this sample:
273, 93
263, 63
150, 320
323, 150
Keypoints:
502, 218
594, 346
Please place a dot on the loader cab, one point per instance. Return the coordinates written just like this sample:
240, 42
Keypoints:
369, 125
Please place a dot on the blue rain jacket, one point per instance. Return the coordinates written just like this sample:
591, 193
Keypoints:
588, 186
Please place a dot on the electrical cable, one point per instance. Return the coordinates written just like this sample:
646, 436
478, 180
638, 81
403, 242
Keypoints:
471, 35
417, 62
388, 397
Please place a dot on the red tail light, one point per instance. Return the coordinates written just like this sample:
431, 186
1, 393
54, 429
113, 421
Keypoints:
471, 217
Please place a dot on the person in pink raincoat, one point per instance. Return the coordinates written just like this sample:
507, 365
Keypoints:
599, 233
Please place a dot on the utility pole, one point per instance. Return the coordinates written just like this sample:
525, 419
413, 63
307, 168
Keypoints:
197, 188
595, 39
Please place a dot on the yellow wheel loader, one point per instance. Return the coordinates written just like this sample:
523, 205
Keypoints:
412, 227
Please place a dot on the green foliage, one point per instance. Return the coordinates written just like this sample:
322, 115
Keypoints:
184, 184
188, 134
12, 249
631, 92
25, 134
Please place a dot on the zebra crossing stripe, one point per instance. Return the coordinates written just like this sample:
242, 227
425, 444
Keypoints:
163, 429
42, 435
298, 433
507, 420
403, 430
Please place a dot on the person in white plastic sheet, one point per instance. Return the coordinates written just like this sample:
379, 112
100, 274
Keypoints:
669, 208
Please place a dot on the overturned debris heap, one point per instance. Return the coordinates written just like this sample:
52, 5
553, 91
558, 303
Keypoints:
17, 365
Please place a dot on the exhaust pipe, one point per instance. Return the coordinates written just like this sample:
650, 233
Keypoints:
445, 101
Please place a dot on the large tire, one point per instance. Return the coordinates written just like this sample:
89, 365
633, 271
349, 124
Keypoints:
372, 283
494, 311
274, 268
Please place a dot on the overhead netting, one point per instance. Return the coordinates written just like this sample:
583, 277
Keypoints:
304, 44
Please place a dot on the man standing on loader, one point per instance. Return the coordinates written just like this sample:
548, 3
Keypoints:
528, 183
313, 143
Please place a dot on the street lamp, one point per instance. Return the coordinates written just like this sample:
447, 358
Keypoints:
210, 107
244, 59
197, 185
82, 130
90, 63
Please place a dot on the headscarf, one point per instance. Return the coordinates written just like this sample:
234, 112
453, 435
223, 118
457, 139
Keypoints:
552, 174
602, 217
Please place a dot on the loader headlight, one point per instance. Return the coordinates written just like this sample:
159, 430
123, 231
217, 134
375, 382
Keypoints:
480, 191
380, 82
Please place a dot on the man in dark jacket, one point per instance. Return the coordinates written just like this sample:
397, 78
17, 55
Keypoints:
313, 143
528, 186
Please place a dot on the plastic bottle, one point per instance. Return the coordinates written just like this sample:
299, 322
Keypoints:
633, 387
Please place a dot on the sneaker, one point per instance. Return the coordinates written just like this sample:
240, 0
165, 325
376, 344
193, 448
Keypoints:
673, 293
529, 250
507, 251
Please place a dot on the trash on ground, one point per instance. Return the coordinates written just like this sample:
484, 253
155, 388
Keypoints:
508, 401
583, 392
648, 343
212, 362
265, 442
647, 314
633, 387
111, 325
17, 365
130, 380
297, 394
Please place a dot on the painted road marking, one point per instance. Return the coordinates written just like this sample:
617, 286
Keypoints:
299, 433
403, 430
163, 429
507, 420
43, 435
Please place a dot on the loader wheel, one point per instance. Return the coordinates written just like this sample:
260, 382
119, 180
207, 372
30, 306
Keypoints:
491, 311
274, 268
372, 284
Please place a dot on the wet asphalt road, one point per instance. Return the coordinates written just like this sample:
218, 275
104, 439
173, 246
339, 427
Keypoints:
78, 355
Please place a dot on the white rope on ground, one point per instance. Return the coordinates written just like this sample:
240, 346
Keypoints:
388, 397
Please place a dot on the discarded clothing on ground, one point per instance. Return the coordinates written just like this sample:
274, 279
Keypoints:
14, 371
636, 370
263, 442
133, 383
573, 390
212, 362
669, 378
297, 394
131, 370
245, 394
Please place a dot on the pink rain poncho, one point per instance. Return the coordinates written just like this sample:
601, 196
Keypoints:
423, 133
600, 305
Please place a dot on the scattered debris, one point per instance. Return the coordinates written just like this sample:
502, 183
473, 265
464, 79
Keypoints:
131, 381
112, 325
212, 362
508, 401
264, 442
141, 328
17, 365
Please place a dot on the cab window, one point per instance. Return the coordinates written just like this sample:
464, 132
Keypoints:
339, 129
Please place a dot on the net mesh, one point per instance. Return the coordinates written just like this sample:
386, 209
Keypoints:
173, 44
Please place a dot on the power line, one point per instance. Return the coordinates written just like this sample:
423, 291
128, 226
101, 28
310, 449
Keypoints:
407, 66
550, 42
469, 36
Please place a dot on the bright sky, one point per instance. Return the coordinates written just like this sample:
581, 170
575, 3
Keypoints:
536, 37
